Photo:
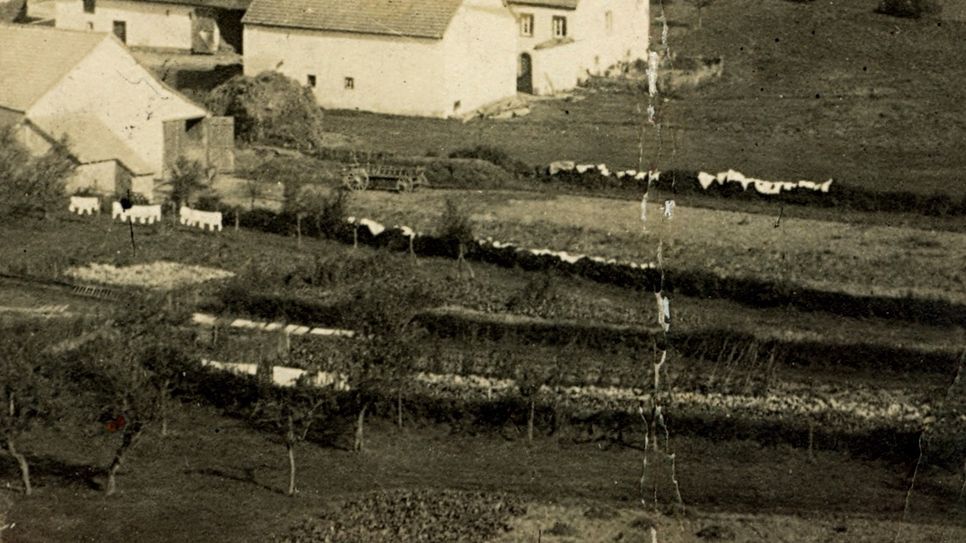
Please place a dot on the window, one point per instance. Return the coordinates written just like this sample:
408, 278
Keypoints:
310, 80
89, 6
559, 27
90, 26
350, 83
609, 21
526, 25
120, 30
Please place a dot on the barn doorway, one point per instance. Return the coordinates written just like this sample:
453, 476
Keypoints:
525, 74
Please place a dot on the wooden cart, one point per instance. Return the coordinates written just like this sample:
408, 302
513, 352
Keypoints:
385, 176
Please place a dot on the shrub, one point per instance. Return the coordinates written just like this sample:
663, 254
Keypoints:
187, 179
455, 227
494, 155
31, 184
911, 9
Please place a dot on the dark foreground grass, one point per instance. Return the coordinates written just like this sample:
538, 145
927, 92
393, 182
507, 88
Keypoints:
216, 479
811, 91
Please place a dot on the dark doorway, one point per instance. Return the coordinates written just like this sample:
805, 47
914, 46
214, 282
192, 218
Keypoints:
120, 30
525, 74
230, 25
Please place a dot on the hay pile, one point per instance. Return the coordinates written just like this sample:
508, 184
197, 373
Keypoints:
270, 108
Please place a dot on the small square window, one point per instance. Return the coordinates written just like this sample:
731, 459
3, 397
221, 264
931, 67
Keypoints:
89, 6
559, 27
526, 25
310, 80
350, 83
90, 26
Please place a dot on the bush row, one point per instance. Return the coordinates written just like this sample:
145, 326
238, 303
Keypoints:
749, 291
236, 394
486, 167
840, 195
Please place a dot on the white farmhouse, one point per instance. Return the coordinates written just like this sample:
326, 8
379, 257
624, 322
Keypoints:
435, 58
562, 42
124, 126
201, 26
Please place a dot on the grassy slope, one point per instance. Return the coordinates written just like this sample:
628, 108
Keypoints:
86, 240
217, 480
827, 255
811, 90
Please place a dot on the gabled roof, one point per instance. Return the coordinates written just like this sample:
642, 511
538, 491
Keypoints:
413, 18
239, 5
90, 141
562, 4
34, 58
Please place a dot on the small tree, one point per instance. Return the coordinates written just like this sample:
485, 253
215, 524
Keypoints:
700, 5
131, 374
188, 177
27, 390
382, 361
129, 401
254, 189
31, 183
456, 229
291, 413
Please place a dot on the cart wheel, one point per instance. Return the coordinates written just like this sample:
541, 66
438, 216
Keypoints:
356, 179
404, 185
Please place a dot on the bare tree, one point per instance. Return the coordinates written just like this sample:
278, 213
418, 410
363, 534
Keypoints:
700, 5
27, 390
456, 229
254, 189
292, 413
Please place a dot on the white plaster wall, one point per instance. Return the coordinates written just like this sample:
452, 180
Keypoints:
148, 24
480, 47
624, 42
594, 48
99, 176
555, 69
126, 97
398, 75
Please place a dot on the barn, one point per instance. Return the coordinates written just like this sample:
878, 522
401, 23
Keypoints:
436, 58
125, 128
200, 26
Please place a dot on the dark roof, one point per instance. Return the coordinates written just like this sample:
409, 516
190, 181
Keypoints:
414, 18
240, 5
562, 4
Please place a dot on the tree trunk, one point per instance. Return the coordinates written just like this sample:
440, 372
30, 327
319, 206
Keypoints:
290, 445
163, 408
237, 220
22, 462
298, 228
530, 422
291, 469
699, 17
127, 443
360, 424
461, 262
399, 420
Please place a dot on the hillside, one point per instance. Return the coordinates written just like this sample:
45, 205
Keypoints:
810, 90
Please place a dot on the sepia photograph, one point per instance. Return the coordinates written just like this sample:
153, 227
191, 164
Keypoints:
483, 271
